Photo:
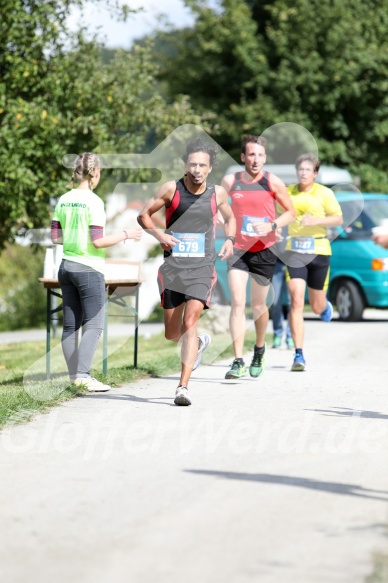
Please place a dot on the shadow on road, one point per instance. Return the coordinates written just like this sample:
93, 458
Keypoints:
151, 401
346, 412
333, 487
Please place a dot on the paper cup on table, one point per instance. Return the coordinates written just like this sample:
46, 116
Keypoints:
58, 255
48, 269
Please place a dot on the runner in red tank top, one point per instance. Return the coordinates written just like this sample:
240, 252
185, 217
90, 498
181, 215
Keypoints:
254, 195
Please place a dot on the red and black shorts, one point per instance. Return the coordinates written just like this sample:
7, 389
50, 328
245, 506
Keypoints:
177, 286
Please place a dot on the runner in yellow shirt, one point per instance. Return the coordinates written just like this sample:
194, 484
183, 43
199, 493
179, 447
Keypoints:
308, 249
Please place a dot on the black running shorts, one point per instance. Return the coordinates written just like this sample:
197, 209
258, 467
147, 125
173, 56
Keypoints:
313, 269
176, 286
260, 264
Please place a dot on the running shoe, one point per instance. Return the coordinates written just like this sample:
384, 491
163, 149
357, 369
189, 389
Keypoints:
258, 363
327, 313
299, 363
182, 396
290, 344
92, 385
277, 342
203, 342
237, 370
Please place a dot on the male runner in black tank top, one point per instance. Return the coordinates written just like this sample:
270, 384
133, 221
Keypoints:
187, 275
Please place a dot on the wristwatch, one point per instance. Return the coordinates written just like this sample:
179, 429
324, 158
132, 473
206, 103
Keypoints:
230, 238
274, 226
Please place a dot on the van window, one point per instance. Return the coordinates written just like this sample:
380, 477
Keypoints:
372, 215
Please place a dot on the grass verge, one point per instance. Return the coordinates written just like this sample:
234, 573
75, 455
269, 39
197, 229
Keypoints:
380, 569
20, 399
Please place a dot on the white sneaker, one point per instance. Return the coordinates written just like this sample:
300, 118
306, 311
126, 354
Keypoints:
92, 385
203, 342
182, 396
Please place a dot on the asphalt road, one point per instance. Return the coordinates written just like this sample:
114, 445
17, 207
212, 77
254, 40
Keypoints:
278, 480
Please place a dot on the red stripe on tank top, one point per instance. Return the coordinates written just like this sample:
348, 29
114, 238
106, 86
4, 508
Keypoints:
173, 206
213, 205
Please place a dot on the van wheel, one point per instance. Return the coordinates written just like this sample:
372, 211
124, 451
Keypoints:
349, 302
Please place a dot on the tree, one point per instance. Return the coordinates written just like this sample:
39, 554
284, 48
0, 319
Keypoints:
221, 64
57, 96
323, 65
22, 298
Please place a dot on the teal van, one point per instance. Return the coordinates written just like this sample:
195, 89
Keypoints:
359, 267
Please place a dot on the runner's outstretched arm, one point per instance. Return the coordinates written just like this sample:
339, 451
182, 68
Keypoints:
162, 198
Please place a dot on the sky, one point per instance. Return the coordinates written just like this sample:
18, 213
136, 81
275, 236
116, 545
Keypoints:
122, 35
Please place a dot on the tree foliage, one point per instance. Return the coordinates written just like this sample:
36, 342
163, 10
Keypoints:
22, 298
57, 96
323, 65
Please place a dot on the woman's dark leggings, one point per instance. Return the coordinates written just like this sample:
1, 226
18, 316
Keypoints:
83, 301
